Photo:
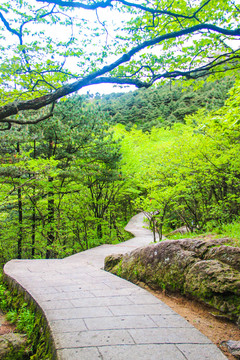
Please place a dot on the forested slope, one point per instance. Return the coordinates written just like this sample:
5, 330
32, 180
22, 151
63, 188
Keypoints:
166, 104
188, 174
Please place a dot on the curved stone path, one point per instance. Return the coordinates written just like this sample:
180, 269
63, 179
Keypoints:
94, 315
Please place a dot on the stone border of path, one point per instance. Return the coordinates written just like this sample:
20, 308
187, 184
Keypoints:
93, 314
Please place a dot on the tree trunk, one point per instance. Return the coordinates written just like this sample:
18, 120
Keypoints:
20, 218
99, 231
34, 208
50, 234
85, 234
33, 224
20, 221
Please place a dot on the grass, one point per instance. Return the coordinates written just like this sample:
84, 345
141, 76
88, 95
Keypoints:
188, 235
231, 231
21, 315
23, 318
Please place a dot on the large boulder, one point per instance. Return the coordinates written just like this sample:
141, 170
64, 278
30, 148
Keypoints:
208, 271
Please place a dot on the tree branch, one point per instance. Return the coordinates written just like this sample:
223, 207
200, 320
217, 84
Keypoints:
100, 4
8, 126
9, 28
25, 122
104, 4
34, 104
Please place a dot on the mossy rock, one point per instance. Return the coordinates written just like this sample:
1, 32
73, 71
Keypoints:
205, 270
12, 346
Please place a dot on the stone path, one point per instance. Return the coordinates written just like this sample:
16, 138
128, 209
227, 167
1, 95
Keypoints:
93, 314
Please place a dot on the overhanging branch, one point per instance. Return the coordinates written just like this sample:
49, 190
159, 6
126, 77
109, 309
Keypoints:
99, 4
34, 104
27, 122
104, 4
9, 125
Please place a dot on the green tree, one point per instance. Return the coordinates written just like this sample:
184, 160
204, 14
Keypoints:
151, 41
189, 174
165, 105
72, 157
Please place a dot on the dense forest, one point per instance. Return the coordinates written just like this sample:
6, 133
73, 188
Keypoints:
188, 173
166, 104
72, 183
61, 187
75, 168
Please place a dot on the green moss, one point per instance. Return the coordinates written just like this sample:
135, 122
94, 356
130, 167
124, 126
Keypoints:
227, 304
16, 354
119, 268
39, 343
175, 278
135, 271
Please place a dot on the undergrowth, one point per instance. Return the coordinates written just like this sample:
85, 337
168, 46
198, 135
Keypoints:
29, 321
188, 235
23, 318
230, 231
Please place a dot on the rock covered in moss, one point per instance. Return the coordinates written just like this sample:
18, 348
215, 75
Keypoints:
208, 271
12, 345
112, 261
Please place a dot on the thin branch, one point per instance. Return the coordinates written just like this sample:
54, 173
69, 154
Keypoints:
104, 26
53, 71
104, 4
194, 74
100, 4
26, 122
199, 9
42, 81
8, 27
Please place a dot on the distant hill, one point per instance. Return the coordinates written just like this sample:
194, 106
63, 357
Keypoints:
163, 105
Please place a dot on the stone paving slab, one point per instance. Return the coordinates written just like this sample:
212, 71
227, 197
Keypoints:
94, 315
142, 352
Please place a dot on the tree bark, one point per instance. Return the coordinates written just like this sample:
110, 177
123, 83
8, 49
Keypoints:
34, 208
20, 217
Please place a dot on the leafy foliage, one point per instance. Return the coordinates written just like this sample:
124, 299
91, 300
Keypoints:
116, 42
189, 174
70, 183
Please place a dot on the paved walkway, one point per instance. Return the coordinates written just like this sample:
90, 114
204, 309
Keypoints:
96, 315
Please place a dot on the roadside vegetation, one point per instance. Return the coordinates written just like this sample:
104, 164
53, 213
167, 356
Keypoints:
29, 322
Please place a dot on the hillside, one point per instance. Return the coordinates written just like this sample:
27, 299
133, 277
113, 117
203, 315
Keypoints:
164, 105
